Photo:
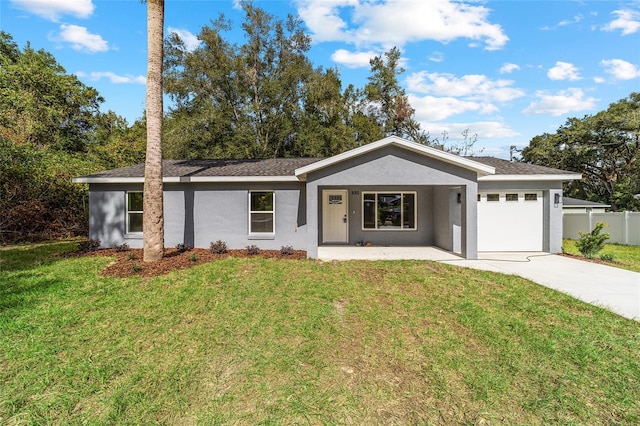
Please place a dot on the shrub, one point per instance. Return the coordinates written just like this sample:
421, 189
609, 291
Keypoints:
194, 257
88, 246
121, 247
252, 250
286, 251
219, 247
590, 243
132, 256
183, 247
607, 257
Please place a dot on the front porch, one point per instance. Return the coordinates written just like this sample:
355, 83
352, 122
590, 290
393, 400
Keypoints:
385, 253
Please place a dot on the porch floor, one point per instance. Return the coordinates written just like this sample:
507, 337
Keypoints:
384, 253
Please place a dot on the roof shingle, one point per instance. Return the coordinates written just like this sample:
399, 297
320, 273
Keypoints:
286, 167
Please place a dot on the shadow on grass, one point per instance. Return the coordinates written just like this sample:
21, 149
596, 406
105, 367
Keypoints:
33, 255
20, 281
23, 287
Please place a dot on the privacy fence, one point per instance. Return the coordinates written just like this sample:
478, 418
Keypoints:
624, 227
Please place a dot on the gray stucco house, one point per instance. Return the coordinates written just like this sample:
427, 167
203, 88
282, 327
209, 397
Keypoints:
390, 192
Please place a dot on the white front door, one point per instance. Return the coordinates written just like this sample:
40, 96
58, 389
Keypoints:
335, 220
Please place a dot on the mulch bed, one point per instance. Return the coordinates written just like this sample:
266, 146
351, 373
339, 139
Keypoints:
593, 259
129, 263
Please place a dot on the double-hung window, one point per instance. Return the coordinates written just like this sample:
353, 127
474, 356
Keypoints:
134, 212
389, 210
262, 213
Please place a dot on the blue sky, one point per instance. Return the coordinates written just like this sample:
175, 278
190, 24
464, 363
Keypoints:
506, 70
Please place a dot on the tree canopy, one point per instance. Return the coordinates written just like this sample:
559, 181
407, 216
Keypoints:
265, 98
603, 147
51, 129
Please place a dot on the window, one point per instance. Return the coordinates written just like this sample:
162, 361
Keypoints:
493, 197
512, 197
531, 197
134, 212
389, 211
261, 212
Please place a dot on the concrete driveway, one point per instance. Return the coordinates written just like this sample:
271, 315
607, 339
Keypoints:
615, 289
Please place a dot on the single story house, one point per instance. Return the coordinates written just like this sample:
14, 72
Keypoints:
389, 192
575, 205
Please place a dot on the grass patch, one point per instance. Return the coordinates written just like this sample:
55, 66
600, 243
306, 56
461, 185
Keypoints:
626, 257
266, 341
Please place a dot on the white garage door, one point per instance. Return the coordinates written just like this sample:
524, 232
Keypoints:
510, 221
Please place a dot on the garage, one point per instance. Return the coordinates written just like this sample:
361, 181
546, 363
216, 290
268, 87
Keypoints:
510, 221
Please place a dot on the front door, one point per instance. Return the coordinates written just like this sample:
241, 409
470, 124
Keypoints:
335, 220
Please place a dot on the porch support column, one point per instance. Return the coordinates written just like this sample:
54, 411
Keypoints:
552, 222
312, 220
470, 221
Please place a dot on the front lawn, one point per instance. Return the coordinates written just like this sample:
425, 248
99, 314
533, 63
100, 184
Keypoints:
267, 341
626, 257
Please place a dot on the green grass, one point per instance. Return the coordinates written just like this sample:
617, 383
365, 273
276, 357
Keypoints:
626, 257
255, 341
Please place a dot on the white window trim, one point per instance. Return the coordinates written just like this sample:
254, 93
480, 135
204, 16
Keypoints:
129, 233
261, 235
415, 211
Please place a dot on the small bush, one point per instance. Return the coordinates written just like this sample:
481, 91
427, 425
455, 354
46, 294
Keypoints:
219, 247
183, 247
132, 256
607, 257
137, 268
286, 251
121, 247
590, 243
252, 250
193, 257
88, 246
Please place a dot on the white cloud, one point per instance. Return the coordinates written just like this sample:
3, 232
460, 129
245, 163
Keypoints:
562, 103
113, 77
484, 130
628, 21
509, 68
323, 18
563, 71
620, 70
430, 108
81, 39
392, 23
472, 86
190, 40
598, 80
353, 59
436, 57
575, 20
52, 10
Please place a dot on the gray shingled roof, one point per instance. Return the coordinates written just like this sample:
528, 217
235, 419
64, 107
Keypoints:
202, 168
286, 167
506, 167
575, 202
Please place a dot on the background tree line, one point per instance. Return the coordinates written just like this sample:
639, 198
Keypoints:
603, 147
261, 98
51, 129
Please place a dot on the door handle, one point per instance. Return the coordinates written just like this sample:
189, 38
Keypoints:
344, 219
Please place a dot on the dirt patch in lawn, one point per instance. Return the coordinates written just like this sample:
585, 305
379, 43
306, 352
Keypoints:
129, 263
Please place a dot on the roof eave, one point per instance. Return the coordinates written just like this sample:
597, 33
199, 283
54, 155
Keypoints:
186, 179
530, 178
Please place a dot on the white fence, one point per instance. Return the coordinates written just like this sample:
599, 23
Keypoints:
624, 227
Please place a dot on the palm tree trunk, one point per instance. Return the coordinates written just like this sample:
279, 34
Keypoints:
153, 215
